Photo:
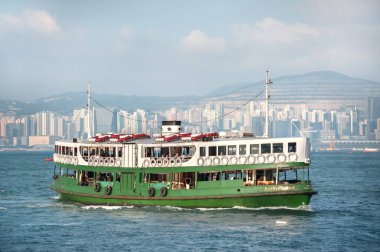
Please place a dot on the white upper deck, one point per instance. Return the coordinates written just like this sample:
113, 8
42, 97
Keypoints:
204, 151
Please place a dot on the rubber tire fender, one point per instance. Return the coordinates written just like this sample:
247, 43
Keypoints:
151, 191
97, 187
163, 191
108, 190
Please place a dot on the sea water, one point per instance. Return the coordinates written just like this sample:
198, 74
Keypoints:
344, 216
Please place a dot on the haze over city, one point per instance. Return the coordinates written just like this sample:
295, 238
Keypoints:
171, 48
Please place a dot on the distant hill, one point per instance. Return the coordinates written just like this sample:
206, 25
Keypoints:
65, 103
322, 89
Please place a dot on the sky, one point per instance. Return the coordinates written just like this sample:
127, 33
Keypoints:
173, 48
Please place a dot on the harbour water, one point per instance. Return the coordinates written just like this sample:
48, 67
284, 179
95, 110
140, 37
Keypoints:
344, 216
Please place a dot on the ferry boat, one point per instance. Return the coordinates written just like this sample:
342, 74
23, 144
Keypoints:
206, 170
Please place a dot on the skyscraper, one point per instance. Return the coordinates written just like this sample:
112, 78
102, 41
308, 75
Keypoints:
105, 120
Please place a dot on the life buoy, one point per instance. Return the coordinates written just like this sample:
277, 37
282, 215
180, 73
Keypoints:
224, 160
146, 163
233, 160
153, 162
172, 162
260, 159
112, 161
90, 162
271, 158
281, 158
251, 159
242, 159
106, 162
96, 161
178, 161
293, 157
97, 187
216, 161
108, 190
159, 162
151, 191
209, 161
101, 162
75, 161
200, 161
163, 191
118, 162
165, 162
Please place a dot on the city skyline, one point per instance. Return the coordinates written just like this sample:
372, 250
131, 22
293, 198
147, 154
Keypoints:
171, 48
347, 124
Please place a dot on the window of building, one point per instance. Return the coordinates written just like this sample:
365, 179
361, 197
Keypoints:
242, 149
165, 151
157, 177
254, 149
222, 150
202, 151
292, 147
278, 148
212, 151
265, 148
231, 149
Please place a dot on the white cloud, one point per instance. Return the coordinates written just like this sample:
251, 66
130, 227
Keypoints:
127, 33
273, 31
198, 41
29, 20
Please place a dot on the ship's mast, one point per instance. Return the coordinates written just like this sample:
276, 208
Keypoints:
88, 111
267, 96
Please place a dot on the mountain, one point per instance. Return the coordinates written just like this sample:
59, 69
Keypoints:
319, 89
322, 89
65, 103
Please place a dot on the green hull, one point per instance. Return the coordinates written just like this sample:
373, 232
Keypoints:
132, 190
213, 195
288, 200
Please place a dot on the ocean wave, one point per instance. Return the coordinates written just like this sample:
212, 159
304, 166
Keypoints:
3, 208
281, 223
90, 207
43, 205
176, 208
302, 208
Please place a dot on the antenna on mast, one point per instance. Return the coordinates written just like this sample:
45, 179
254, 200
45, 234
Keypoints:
267, 96
88, 111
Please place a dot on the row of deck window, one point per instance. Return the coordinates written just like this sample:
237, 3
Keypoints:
66, 150
89, 151
253, 149
172, 151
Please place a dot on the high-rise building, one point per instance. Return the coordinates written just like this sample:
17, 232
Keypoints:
258, 125
105, 120
281, 128
354, 122
295, 128
343, 124
373, 112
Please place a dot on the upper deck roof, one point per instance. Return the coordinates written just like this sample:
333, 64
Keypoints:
185, 140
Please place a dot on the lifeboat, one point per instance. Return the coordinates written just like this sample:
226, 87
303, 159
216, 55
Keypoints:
124, 138
100, 139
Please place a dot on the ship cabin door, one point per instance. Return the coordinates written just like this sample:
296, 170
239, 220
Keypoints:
130, 155
129, 182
